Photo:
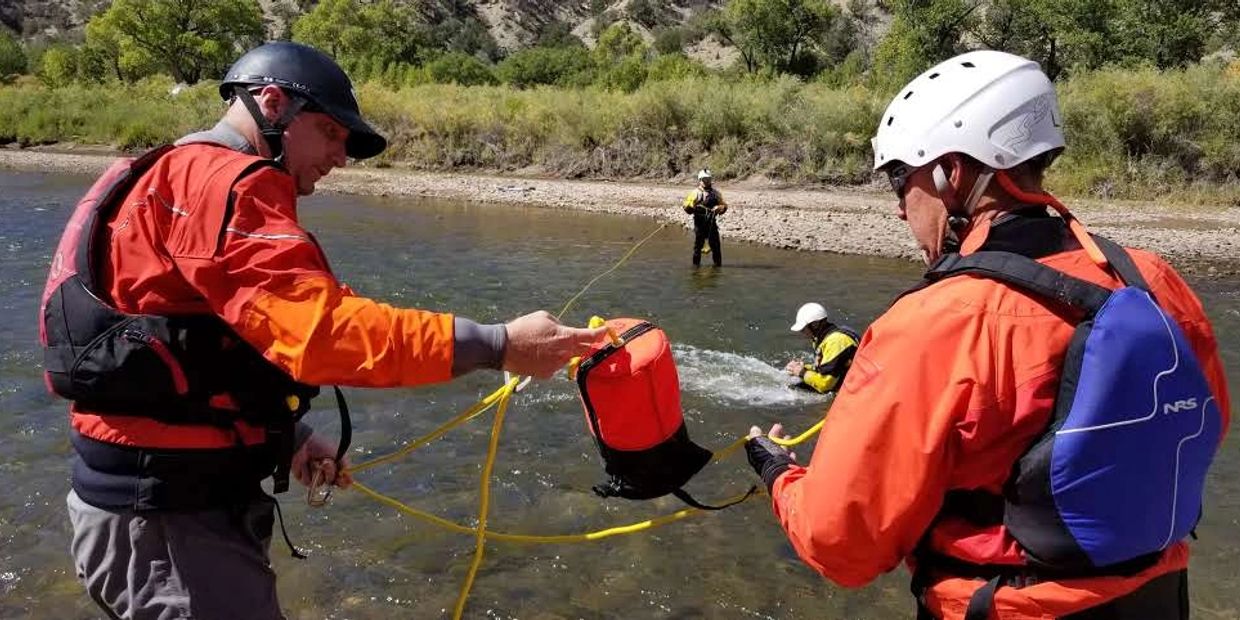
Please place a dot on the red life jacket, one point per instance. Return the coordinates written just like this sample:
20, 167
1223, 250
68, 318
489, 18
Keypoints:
188, 371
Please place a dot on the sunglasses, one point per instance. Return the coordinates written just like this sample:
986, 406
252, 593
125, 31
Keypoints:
898, 176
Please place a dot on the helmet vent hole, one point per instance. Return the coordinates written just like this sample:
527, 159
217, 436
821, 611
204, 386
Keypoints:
933, 75
890, 119
968, 65
909, 94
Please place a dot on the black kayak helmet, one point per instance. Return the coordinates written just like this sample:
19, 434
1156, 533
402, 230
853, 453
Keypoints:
308, 74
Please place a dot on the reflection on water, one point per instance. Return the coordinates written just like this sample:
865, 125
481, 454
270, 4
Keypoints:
730, 333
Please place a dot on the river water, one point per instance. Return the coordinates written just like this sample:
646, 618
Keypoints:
730, 329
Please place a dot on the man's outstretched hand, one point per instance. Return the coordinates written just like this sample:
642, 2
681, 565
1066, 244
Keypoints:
538, 345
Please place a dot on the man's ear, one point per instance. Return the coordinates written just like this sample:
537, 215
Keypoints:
272, 100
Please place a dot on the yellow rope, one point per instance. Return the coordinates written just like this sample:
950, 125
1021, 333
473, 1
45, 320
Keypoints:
471, 413
452, 526
503, 397
531, 538
484, 501
614, 267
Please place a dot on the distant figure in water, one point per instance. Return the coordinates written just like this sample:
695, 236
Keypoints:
705, 204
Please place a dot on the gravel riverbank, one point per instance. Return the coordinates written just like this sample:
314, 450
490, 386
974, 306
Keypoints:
1198, 239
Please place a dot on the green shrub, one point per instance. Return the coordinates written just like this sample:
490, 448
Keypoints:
58, 65
669, 40
674, 67
460, 68
625, 75
1131, 132
562, 66
12, 57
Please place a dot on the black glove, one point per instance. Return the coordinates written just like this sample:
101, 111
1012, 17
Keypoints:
768, 459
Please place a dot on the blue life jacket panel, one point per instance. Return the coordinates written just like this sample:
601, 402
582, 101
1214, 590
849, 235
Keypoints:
1119, 473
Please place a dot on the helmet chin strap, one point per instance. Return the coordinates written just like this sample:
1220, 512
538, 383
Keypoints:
273, 133
959, 216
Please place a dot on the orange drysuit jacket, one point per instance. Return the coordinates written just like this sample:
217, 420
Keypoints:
251, 263
949, 387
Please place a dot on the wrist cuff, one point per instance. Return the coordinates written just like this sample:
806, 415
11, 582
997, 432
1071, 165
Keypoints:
768, 459
477, 346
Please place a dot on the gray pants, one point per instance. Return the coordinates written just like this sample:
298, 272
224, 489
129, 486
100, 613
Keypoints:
162, 565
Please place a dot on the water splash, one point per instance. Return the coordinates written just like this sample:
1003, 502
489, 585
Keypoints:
731, 378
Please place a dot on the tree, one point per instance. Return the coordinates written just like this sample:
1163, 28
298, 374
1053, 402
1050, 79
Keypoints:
191, 39
923, 33
468, 36
12, 57
114, 54
1047, 31
1065, 34
1169, 33
382, 32
775, 35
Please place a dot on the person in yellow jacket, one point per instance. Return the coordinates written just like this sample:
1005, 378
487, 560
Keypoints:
834, 346
705, 203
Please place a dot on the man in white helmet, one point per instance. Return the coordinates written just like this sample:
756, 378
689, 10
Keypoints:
705, 203
834, 347
925, 457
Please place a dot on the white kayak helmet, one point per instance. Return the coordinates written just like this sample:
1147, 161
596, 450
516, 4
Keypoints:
995, 107
704, 173
809, 313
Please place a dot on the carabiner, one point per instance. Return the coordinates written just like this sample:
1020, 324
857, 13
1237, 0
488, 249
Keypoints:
319, 492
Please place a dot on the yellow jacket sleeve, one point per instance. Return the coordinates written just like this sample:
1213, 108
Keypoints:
825, 374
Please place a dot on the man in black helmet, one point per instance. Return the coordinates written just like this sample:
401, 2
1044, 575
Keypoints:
228, 317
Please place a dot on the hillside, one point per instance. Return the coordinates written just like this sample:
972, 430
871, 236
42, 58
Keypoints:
512, 23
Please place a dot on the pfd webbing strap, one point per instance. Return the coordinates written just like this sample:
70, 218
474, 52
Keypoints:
1024, 273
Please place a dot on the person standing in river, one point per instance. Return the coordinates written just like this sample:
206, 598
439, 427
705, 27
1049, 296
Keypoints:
190, 317
705, 204
1030, 428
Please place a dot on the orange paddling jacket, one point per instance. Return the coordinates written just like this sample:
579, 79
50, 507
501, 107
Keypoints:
947, 390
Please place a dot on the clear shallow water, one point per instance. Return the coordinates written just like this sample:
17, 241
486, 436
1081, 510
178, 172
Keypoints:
492, 263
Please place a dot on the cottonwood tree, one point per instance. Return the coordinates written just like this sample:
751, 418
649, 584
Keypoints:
775, 35
191, 39
923, 32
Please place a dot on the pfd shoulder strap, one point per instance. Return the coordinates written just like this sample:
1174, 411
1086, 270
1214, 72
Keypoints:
1024, 273
1121, 262
850, 332
89, 248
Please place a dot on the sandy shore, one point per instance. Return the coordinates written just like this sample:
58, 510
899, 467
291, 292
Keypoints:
1203, 240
